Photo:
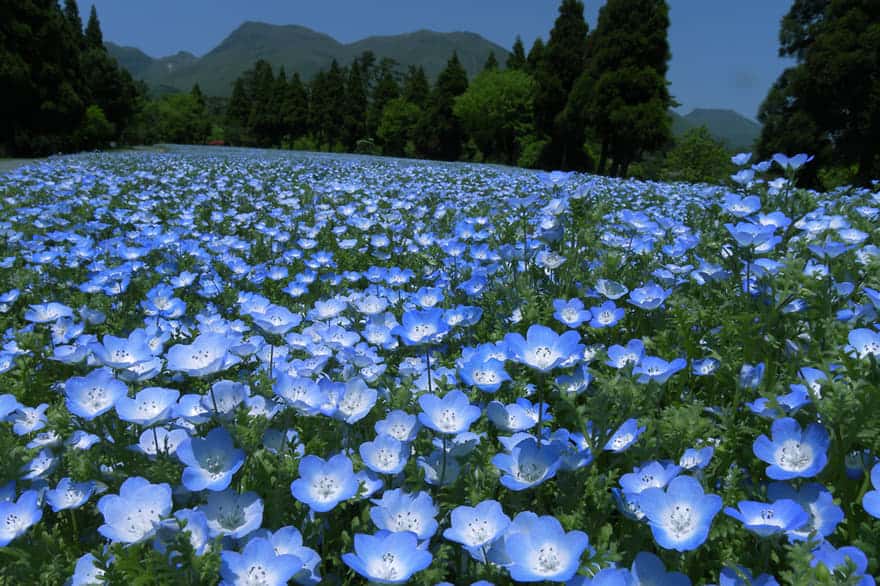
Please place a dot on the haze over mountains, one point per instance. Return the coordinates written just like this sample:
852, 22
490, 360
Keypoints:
300, 49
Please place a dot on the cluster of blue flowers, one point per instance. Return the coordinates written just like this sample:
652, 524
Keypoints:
339, 369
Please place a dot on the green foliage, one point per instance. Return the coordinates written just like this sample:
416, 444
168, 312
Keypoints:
96, 131
398, 126
697, 157
497, 112
439, 133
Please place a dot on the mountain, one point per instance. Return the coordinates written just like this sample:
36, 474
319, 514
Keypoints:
302, 50
732, 128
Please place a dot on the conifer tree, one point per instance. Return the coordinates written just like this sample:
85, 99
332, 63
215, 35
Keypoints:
517, 58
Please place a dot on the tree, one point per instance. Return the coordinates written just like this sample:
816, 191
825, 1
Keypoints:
623, 95
491, 62
416, 88
94, 36
440, 134
398, 126
294, 109
326, 107
355, 111
497, 111
561, 63
263, 119
698, 158
536, 55
385, 90
517, 58
238, 112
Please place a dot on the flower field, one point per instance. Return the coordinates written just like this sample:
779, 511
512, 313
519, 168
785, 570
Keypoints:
255, 367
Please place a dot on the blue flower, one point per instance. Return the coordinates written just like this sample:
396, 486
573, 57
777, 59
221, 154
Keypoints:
651, 475
27, 419
749, 235
136, 512
696, 459
324, 484
477, 528
258, 564
233, 514
647, 568
69, 495
150, 406
276, 319
399, 511
486, 374
87, 572
839, 558
94, 394
536, 549
606, 315
451, 414
288, 541
400, 425
387, 558
619, 356
519, 416
625, 436
768, 518
863, 343
210, 462
384, 455
871, 500
825, 516
740, 576
571, 313
793, 452
649, 297
528, 464
208, 354
421, 327
19, 516
656, 369
681, 516
543, 349
741, 206
122, 352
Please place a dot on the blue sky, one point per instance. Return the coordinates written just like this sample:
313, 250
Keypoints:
724, 54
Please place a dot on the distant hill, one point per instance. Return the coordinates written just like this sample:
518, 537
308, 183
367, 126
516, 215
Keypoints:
299, 49
732, 128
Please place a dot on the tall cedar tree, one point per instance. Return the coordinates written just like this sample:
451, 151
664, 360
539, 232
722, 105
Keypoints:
263, 120
562, 62
327, 105
536, 55
238, 112
834, 90
294, 109
355, 112
517, 58
624, 95
385, 89
440, 134
491, 62
416, 88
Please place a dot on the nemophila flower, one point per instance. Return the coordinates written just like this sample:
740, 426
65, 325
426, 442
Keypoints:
625, 436
43, 313
210, 462
606, 315
196, 527
871, 500
451, 414
611, 289
696, 459
741, 206
649, 297
519, 416
620, 356
542, 348
536, 549
705, 366
476, 528
863, 343
486, 374
421, 327
765, 519
793, 452
355, 403
439, 470
69, 494
528, 464
208, 354
838, 560
648, 569
122, 352
786, 404
386, 557
681, 515
577, 382
384, 455
651, 475
258, 564
16, 517
740, 576
232, 514
276, 319
149, 406
570, 313
750, 376
399, 511
82, 440
94, 394
288, 541
25, 420
323, 484
136, 512
87, 572
159, 440
224, 398
792, 163
814, 378
750, 235
655, 369
400, 425
816, 500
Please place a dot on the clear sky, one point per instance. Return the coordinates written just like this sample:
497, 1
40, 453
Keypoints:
724, 54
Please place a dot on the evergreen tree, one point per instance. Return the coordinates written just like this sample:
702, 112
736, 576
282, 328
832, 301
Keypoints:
263, 119
94, 36
238, 113
386, 89
295, 108
517, 58
416, 88
326, 107
624, 95
491, 62
561, 63
71, 13
198, 96
355, 111
440, 134
536, 55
